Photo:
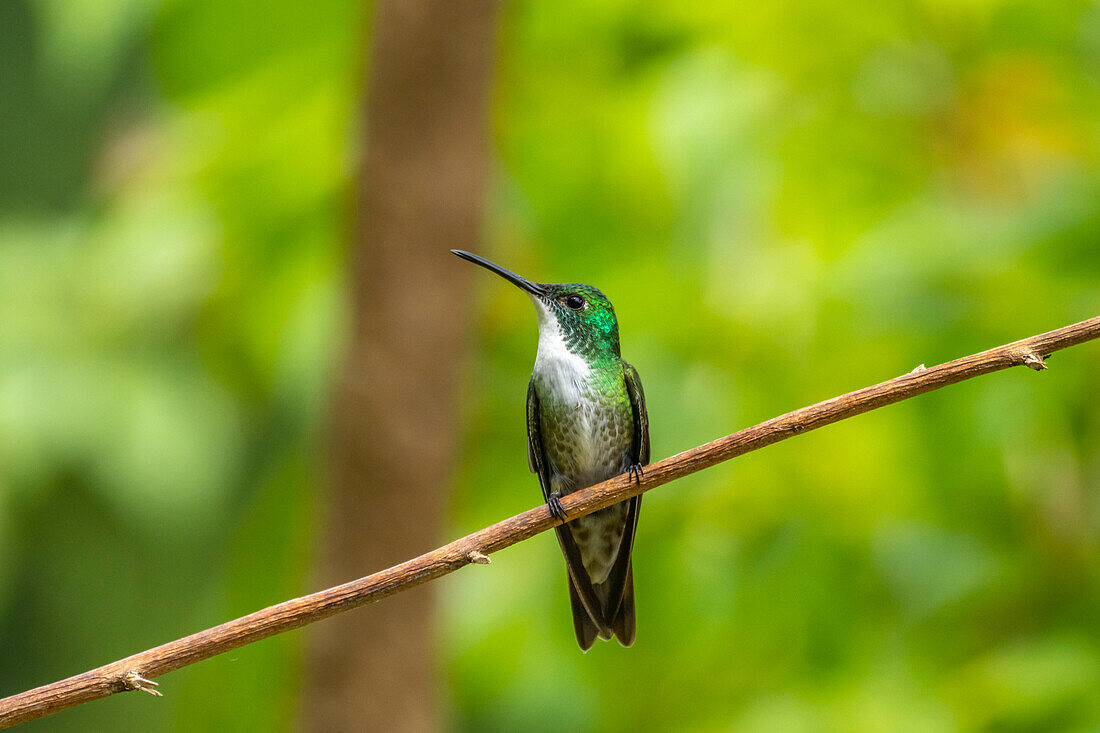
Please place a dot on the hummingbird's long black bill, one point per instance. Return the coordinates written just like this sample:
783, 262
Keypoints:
530, 287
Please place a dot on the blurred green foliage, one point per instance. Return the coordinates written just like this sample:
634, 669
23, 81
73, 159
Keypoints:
784, 200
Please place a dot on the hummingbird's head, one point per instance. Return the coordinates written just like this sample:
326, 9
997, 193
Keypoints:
584, 316
578, 316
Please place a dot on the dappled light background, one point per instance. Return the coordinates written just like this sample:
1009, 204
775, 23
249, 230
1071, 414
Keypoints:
785, 201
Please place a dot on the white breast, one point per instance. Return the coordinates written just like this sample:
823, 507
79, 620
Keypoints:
564, 372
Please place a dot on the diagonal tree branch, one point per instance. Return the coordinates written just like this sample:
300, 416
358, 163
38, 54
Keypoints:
134, 672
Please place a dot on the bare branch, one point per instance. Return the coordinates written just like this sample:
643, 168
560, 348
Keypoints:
133, 673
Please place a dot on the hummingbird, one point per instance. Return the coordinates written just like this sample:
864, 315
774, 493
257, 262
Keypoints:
586, 422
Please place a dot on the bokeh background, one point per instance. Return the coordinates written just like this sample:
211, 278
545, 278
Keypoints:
784, 200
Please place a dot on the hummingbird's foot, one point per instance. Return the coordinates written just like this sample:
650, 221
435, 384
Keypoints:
554, 503
635, 471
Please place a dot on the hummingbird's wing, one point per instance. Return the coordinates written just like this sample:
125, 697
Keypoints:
624, 620
641, 417
587, 617
583, 625
620, 581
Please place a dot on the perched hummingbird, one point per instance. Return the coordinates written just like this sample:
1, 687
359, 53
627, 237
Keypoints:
586, 422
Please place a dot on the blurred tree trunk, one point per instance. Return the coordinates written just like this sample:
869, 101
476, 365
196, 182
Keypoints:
420, 192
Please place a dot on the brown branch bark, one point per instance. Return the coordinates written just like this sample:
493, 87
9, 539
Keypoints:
133, 672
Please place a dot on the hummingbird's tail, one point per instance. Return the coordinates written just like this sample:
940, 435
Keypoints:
621, 626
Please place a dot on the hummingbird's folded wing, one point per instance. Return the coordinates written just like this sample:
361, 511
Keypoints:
619, 583
641, 416
536, 460
620, 571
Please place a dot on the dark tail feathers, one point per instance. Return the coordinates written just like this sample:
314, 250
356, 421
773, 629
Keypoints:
621, 626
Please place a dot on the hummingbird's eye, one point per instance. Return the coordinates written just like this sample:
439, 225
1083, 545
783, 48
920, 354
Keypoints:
575, 302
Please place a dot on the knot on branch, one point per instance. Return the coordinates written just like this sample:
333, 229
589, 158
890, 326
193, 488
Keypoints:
133, 680
1031, 359
478, 557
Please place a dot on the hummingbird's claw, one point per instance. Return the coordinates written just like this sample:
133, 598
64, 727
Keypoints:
636, 472
554, 503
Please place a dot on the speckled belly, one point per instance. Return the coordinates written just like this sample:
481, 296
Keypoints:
585, 443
